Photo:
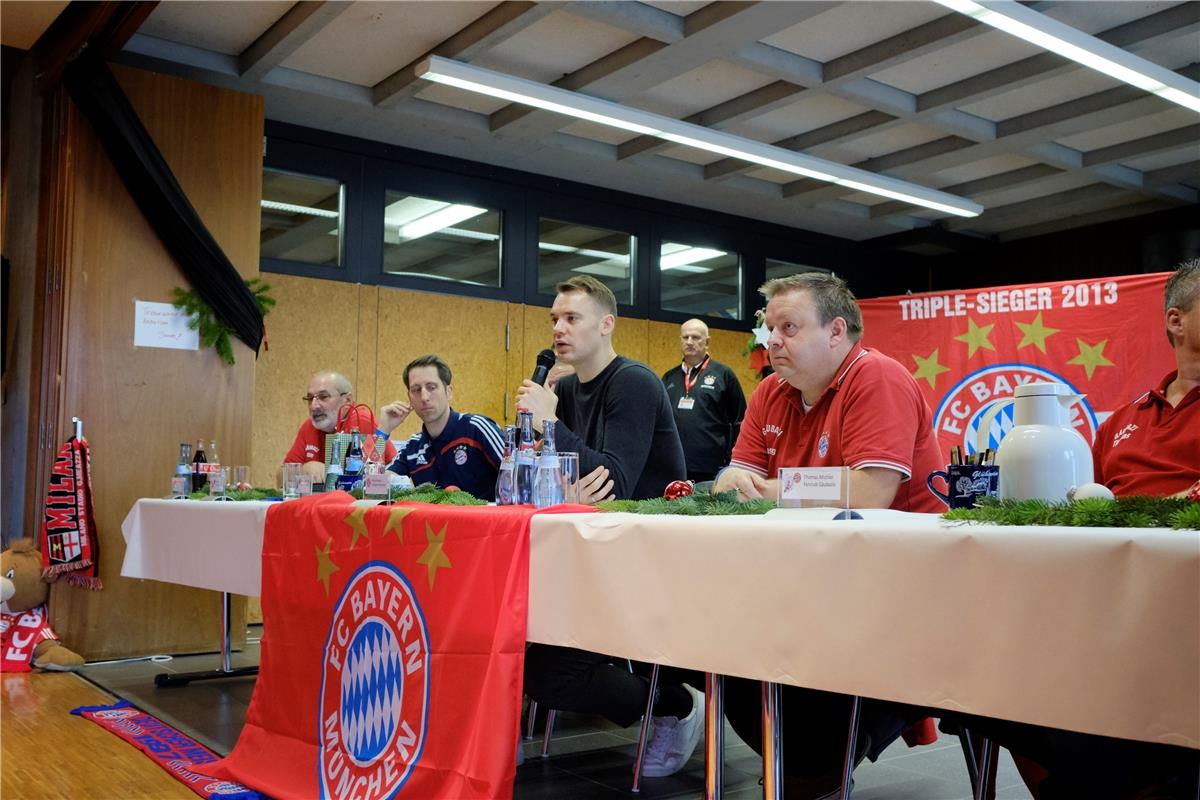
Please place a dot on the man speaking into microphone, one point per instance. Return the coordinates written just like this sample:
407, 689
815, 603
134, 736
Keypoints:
614, 412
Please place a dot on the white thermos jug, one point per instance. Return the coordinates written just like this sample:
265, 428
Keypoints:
1043, 457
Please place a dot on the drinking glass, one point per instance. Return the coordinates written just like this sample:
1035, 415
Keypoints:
304, 485
218, 484
241, 477
291, 481
568, 471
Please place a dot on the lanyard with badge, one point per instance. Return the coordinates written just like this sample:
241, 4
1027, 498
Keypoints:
687, 401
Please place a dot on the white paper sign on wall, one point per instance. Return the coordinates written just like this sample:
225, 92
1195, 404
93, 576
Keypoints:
163, 325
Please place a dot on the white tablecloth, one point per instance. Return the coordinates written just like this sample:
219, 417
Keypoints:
1094, 630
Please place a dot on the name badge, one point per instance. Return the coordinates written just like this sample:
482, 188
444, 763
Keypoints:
686, 403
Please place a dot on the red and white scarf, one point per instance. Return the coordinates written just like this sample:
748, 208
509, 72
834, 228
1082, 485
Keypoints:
69, 539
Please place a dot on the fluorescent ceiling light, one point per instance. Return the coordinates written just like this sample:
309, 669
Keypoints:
291, 208
574, 104
445, 217
685, 259
1057, 37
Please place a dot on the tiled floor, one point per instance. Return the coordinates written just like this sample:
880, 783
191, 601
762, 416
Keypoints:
590, 759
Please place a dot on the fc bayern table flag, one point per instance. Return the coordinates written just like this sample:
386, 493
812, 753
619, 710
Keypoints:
392, 652
969, 350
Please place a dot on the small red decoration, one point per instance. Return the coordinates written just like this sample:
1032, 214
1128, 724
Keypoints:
678, 489
1193, 493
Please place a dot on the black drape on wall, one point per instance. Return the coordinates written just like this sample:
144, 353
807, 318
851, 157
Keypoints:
153, 186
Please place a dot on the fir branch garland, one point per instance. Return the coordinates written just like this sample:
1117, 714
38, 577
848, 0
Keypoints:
1124, 512
697, 505
213, 331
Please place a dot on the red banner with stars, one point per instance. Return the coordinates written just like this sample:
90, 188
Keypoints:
392, 651
970, 349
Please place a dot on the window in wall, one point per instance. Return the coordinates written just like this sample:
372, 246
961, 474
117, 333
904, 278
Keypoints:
302, 218
426, 238
700, 280
777, 268
566, 249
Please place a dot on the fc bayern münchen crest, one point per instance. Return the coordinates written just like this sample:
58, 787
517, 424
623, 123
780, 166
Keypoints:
374, 687
985, 398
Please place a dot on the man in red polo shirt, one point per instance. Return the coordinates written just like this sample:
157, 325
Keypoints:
1152, 445
833, 402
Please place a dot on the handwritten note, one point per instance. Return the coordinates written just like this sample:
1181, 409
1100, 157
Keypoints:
163, 325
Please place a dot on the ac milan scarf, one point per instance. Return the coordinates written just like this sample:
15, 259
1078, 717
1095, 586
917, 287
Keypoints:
69, 540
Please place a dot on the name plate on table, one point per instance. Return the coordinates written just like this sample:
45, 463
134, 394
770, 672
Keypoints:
808, 486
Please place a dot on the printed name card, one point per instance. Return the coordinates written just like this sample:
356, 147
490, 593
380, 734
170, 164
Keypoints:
812, 486
163, 325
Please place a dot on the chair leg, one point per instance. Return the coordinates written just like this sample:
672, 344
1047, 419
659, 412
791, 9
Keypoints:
851, 746
529, 719
643, 734
714, 735
986, 768
968, 748
772, 707
551, 716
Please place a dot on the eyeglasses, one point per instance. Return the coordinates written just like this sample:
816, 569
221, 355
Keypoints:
323, 397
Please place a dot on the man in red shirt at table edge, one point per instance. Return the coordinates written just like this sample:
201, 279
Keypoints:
831, 402
330, 400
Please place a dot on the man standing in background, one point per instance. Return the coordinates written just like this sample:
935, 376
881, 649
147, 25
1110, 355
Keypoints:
708, 404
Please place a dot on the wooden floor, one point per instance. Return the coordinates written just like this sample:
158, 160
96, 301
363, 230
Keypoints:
47, 753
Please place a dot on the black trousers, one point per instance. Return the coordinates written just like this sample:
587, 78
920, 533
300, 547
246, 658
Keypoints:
816, 725
1085, 765
568, 679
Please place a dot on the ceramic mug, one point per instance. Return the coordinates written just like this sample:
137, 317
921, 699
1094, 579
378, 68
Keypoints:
966, 483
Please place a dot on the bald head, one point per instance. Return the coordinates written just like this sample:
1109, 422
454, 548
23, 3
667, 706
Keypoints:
328, 391
693, 339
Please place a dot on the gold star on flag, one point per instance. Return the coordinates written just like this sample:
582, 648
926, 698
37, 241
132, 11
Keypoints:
434, 557
355, 519
1091, 356
976, 337
1035, 333
396, 515
325, 565
929, 368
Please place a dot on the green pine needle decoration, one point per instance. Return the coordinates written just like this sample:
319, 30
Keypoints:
428, 493
214, 332
698, 505
1124, 512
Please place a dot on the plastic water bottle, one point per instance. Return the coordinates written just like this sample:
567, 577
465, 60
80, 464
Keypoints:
547, 487
504, 478
524, 468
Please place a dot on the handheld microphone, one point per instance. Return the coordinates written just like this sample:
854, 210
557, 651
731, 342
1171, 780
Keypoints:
545, 360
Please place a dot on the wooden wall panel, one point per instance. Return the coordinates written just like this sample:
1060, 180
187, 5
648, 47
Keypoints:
139, 403
313, 327
466, 332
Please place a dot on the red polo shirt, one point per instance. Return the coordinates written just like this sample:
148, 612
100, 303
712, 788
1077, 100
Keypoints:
872, 415
309, 444
1150, 447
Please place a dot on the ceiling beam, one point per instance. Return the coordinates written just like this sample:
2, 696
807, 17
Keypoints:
1071, 202
1042, 227
1187, 136
499, 24
101, 29
1187, 173
300, 23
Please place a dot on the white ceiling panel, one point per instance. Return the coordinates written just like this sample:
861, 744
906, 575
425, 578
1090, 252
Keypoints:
227, 28
698, 89
1186, 155
1043, 94
811, 110
598, 132
900, 137
680, 8
975, 170
852, 26
371, 40
1093, 17
554, 46
1132, 129
457, 98
937, 68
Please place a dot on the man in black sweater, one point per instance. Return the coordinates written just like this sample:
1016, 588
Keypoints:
614, 412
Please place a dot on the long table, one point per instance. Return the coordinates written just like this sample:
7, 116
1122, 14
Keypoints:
1093, 630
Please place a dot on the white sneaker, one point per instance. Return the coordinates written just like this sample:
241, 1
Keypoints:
672, 740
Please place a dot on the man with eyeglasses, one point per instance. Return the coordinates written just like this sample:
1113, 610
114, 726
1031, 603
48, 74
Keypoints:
330, 401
